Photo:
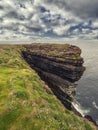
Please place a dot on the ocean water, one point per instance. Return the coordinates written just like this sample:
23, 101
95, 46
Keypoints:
87, 89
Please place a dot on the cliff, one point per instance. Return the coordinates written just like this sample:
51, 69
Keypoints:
60, 65
26, 102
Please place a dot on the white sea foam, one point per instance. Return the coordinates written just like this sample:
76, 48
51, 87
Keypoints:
80, 109
97, 122
94, 104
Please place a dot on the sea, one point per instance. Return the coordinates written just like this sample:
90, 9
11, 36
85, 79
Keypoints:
86, 99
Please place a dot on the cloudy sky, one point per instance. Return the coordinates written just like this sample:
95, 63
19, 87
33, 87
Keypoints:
48, 20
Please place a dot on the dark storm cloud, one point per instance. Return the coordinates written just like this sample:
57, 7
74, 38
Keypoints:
87, 9
1, 7
13, 14
81, 8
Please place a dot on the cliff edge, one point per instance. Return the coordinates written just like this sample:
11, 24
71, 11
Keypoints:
60, 65
26, 102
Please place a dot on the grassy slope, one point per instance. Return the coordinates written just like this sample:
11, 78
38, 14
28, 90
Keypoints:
24, 102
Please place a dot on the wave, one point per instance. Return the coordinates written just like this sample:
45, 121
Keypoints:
95, 105
80, 109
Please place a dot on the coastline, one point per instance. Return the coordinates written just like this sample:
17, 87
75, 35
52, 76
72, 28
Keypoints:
76, 108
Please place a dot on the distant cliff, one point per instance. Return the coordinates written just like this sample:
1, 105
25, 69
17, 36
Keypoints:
60, 65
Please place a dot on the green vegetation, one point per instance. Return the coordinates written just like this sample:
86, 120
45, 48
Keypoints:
62, 51
24, 101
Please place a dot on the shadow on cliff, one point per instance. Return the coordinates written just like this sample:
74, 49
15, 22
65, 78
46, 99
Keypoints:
54, 82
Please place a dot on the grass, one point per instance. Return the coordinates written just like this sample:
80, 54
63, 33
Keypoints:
62, 51
24, 102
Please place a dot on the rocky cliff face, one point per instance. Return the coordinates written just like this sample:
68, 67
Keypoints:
60, 65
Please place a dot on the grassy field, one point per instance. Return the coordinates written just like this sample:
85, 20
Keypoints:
26, 102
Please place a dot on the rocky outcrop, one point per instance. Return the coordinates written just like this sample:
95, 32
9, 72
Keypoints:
60, 65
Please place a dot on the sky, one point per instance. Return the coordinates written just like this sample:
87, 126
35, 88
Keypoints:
48, 20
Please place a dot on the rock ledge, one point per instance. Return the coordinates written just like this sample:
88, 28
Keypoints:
60, 65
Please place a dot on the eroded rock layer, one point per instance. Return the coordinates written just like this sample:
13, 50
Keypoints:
60, 65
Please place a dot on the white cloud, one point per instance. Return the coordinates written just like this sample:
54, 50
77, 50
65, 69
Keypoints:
31, 19
95, 24
61, 30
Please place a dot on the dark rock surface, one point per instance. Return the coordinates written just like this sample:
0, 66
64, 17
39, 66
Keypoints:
60, 65
88, 117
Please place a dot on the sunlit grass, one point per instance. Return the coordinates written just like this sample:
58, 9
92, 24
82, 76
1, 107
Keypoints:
24, 103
